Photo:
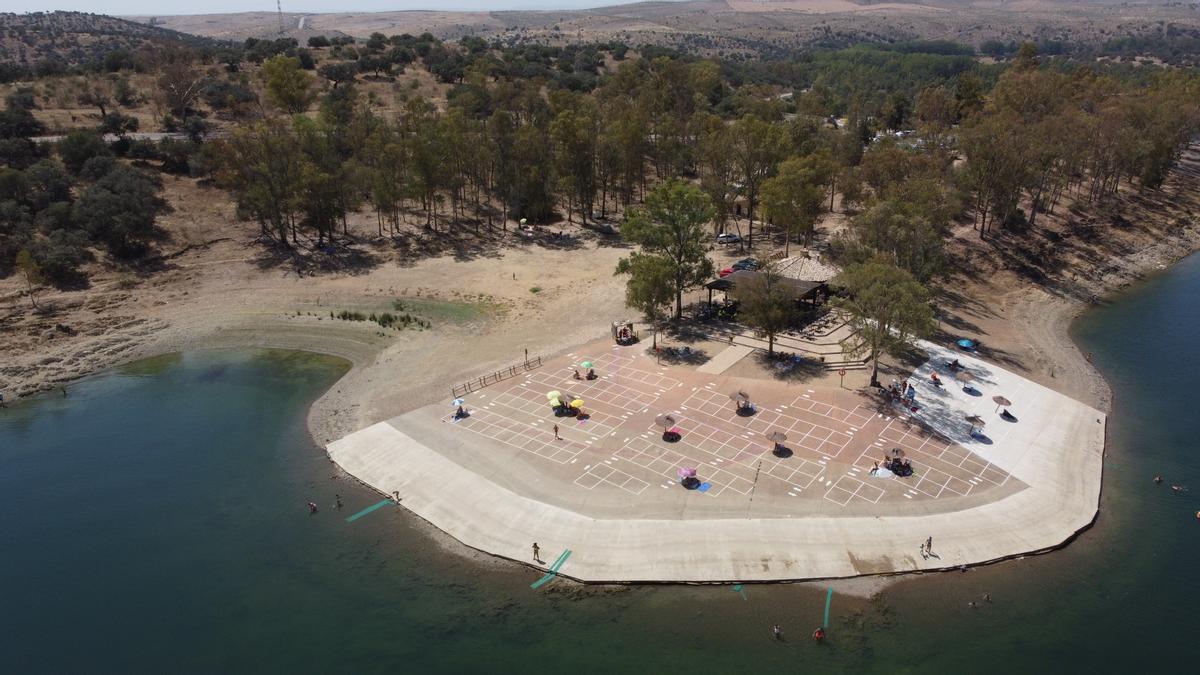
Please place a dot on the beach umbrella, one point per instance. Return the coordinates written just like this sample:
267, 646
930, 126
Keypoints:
585, 364
777, 437
740, 396
577, 403
1001, 402
456, 402
965, 377
556, 402
686, 472
966, 344
665, 421
553, 395
975, 421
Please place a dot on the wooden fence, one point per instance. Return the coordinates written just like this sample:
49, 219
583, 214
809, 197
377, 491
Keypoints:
478, 383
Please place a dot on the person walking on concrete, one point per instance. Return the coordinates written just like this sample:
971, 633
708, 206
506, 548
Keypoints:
556, 436
536, 553
929, 546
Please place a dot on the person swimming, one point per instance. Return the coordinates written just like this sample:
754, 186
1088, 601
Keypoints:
777, 631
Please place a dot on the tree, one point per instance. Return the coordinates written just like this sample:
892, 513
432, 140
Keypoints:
32, 273
767, 304
339, 72
120, 209
718, 171
673, 225
79, 146
118, 124
96, 92
756, 146
289, 88
60, 254
792, 198
179, 82
262, 164
650, 282
574, 132
888, 310
18, 122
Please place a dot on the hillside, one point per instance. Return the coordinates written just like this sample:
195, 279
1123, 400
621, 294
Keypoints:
755, 27
76, 38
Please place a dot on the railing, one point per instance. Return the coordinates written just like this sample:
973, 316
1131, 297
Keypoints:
478, 383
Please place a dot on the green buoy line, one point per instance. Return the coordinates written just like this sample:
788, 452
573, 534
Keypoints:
367, 510
558, 563
828, 600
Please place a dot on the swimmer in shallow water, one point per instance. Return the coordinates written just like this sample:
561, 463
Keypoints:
777, 631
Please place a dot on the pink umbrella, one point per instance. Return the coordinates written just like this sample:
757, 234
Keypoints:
687, 472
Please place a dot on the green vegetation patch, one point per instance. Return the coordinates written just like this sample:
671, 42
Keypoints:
449, 311
399, 321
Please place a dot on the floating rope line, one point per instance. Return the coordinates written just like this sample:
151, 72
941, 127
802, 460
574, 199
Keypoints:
369, 509
553, 570
828, 600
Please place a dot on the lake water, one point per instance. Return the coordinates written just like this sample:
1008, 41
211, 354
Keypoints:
155, 521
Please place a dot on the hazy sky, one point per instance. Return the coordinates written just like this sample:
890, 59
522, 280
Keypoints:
163, 7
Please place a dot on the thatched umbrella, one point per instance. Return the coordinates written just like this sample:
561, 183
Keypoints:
975, 421
665, 421
1001, 402
778, 437
965, 377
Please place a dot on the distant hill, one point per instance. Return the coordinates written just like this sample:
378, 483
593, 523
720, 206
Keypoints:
743, 28
76, 38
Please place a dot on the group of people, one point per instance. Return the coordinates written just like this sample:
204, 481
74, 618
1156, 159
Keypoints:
818, 634
901, 391
897, 465
591, 374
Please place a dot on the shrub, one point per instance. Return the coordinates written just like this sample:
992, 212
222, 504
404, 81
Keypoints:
79, 146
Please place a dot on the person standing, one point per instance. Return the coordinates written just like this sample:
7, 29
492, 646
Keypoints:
556, 436
536, 553
929, 546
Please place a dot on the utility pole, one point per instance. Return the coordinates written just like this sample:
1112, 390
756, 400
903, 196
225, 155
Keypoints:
279, 10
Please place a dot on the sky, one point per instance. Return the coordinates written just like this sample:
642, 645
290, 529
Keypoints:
164, 7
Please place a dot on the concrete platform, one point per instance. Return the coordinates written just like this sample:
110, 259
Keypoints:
499, 480
725, 359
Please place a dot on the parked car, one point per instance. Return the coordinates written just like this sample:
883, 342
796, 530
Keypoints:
743, 264
728, 238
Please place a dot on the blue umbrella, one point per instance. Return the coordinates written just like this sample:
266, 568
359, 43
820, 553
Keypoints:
456, 402
966, 344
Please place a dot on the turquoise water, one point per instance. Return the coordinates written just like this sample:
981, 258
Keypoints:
155, 521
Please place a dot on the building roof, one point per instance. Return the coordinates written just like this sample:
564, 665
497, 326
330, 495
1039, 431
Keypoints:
806, 269
800, 288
